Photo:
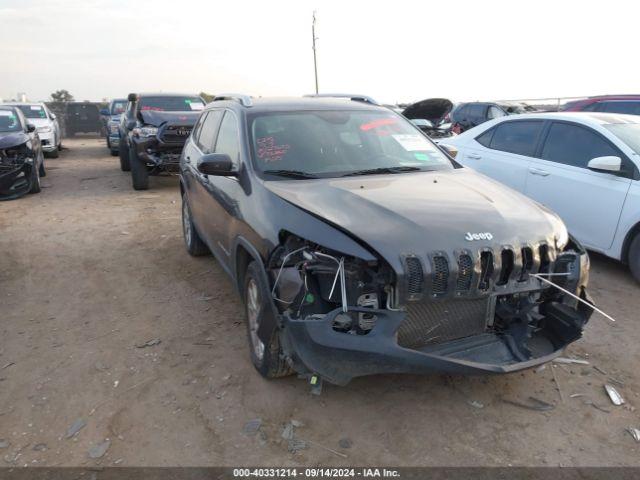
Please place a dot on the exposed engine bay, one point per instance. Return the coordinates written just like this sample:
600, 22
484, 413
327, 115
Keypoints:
486, 314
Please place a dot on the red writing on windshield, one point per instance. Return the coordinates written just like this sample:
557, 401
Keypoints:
269, 151
378, 123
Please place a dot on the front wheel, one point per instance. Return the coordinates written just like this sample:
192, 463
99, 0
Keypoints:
35, 180
634, 257
139, 172
268, 358
125, 166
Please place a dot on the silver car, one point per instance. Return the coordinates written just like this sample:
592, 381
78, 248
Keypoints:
46, 124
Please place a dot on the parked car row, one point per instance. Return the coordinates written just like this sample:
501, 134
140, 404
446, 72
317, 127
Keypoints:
21, 154
360, 246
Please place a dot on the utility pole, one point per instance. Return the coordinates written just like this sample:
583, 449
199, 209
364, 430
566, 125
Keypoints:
315, 61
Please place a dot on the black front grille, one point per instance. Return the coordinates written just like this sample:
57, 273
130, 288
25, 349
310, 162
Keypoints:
507, 260
545, 261
527, 264
486, 270
440, 275
465, 273
415, 276
176, 133
438, 322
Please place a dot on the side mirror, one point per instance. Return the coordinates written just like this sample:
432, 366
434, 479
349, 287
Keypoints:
31, 127
422, 123
131, 123
105, 112
219, 164
450, 149
132, 97
53, 116
608, 164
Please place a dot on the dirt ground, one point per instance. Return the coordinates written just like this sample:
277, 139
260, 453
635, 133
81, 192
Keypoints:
90, 268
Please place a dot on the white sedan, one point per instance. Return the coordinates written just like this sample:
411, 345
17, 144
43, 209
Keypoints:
46, 123
584, 166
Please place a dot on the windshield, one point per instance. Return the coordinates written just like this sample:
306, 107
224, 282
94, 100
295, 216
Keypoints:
33, 111
513, 109
171, 104
629, 133
335, 143
9, 121
118, 107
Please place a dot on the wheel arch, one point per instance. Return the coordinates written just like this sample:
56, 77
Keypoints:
633, 231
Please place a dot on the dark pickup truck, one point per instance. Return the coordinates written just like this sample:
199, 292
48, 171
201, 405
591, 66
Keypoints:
153, 130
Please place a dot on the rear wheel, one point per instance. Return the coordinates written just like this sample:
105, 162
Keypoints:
114, 153
53, 153
139, 172
125, 166
195, 246
634, 257
266, 358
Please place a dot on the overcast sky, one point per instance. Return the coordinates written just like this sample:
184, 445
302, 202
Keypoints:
394, 51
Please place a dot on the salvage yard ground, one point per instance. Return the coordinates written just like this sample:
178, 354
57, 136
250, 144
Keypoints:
104, 318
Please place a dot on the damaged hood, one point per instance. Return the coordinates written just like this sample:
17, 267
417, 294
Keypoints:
155, 118
433, 109
12, 139
415, 213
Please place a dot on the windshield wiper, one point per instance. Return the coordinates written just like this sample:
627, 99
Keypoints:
291, 173
374, 171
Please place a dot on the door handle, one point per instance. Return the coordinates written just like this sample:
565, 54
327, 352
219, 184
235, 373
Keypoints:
537, 171
474, 156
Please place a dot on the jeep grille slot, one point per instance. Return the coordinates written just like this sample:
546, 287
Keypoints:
545, 261
507, 259
465, 272
527, 264
440, 275
415, 276
486, 270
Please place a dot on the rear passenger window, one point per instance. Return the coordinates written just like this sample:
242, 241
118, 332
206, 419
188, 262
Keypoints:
207, 133
485, 138
574, 145
476, 111
631, 108
518, 137
228, 138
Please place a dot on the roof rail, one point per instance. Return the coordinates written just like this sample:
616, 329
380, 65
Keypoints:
244, 100
356, 97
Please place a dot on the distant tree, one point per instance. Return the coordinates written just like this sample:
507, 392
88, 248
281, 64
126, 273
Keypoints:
208, 97
61, 96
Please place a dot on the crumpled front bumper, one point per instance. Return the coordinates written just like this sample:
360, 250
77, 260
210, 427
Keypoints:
15, 182
339, 357
159, 155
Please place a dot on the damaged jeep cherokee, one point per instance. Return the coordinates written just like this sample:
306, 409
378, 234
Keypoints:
359, 247
153, 130
21, 155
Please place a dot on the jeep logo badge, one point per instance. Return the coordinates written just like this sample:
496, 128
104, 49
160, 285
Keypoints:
478, 236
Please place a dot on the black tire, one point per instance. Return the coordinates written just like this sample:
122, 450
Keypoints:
41, 170
108, 143
35, 180
139, 172
634, 257
271, 363
195, 246
125, 166
53, 154
114, 153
